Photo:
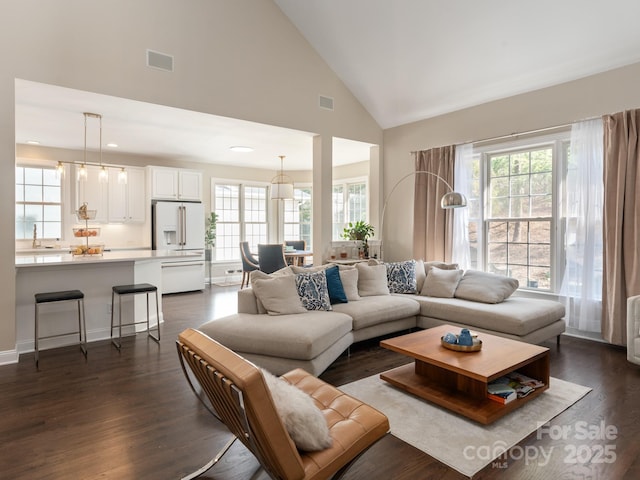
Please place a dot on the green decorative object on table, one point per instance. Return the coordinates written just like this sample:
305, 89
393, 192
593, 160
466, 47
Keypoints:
359, 230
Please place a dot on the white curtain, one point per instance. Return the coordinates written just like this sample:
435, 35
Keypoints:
582, 280
462, 174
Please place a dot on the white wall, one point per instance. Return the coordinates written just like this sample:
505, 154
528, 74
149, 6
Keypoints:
597, 95
240, 58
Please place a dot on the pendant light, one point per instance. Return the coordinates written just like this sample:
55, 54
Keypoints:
103, 175
60, 169
122, 176
281, 184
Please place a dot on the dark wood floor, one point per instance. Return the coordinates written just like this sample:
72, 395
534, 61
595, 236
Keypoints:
130, 415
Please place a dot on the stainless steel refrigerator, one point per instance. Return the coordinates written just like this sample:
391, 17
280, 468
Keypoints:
179, 226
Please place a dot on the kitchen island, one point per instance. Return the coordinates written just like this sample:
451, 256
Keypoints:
95, 275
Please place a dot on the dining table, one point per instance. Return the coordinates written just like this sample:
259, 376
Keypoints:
297, 257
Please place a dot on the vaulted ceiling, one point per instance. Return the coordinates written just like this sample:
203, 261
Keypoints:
407, 60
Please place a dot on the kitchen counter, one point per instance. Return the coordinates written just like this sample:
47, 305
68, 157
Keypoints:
95, 275
32, 259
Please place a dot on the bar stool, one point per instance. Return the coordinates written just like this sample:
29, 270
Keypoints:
63, 296
134, 289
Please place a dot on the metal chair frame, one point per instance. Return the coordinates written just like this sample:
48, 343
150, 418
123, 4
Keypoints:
118, 344
82, 327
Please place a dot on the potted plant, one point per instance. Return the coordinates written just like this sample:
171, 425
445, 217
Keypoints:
361, 231
210, 234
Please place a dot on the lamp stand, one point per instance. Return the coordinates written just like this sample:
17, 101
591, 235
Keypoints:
451, 199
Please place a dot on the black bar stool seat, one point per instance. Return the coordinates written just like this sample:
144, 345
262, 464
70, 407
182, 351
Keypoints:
61, 296
133, 289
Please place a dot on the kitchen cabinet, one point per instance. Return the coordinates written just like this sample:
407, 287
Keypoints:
92, 192
127, 202
175, 184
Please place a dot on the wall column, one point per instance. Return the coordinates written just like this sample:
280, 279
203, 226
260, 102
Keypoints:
322, 196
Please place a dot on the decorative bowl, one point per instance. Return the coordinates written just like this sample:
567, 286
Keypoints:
86, 232
87, 249
476, 347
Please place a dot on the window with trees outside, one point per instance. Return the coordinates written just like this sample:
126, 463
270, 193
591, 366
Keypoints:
242, 216
512, 232
350, 204
297, 216
38, 203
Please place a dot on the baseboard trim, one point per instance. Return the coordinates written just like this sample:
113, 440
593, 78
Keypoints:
9, 356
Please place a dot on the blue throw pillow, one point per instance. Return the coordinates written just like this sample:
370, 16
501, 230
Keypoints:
334, 284
401, 277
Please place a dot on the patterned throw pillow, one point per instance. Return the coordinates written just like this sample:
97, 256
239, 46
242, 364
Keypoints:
401, 277
313, 291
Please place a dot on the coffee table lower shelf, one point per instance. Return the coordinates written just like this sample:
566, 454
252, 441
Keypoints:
483, 410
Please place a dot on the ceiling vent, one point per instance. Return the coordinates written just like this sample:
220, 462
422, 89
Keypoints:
326, 102
161, 61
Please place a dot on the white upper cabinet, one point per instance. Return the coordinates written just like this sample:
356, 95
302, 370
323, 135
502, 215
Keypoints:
190, 185
127, 202
175, 184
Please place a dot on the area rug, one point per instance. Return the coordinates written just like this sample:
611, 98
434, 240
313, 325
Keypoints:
460, 443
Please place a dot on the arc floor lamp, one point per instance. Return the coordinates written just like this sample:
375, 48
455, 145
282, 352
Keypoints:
451, 199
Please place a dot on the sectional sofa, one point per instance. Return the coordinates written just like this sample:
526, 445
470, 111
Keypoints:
281, 326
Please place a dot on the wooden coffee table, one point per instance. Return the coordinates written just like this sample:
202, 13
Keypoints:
458, 380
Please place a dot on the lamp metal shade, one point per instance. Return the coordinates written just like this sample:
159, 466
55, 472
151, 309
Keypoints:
453, 200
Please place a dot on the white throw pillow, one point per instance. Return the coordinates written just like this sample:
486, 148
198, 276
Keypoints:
485, 287
279, 295
441, 283
441, 265
372, 280
301, 417
349, 278
316, 268
259, 275
421, 275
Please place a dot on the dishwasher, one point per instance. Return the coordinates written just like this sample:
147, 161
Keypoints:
183, 275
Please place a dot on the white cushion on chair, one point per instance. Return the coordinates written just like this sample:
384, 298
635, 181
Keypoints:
304, 422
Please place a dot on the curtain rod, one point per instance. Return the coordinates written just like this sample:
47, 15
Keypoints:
516, 134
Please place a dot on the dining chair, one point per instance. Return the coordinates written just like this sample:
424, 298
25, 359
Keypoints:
296, 244
271, 257
249, 263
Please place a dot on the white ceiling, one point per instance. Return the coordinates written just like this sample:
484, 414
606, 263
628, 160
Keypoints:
407, 60
53, 116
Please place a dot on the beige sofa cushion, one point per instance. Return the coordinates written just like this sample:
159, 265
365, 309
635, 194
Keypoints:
372, 280
349, 278
279, 295
373, 310
485, 287
301, 336
516, 315
259, 275
441, 283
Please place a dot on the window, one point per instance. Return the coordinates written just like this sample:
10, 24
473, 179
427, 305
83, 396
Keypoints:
520, 217
297, 216
38, 203
242, 216
512, 232
350, 204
